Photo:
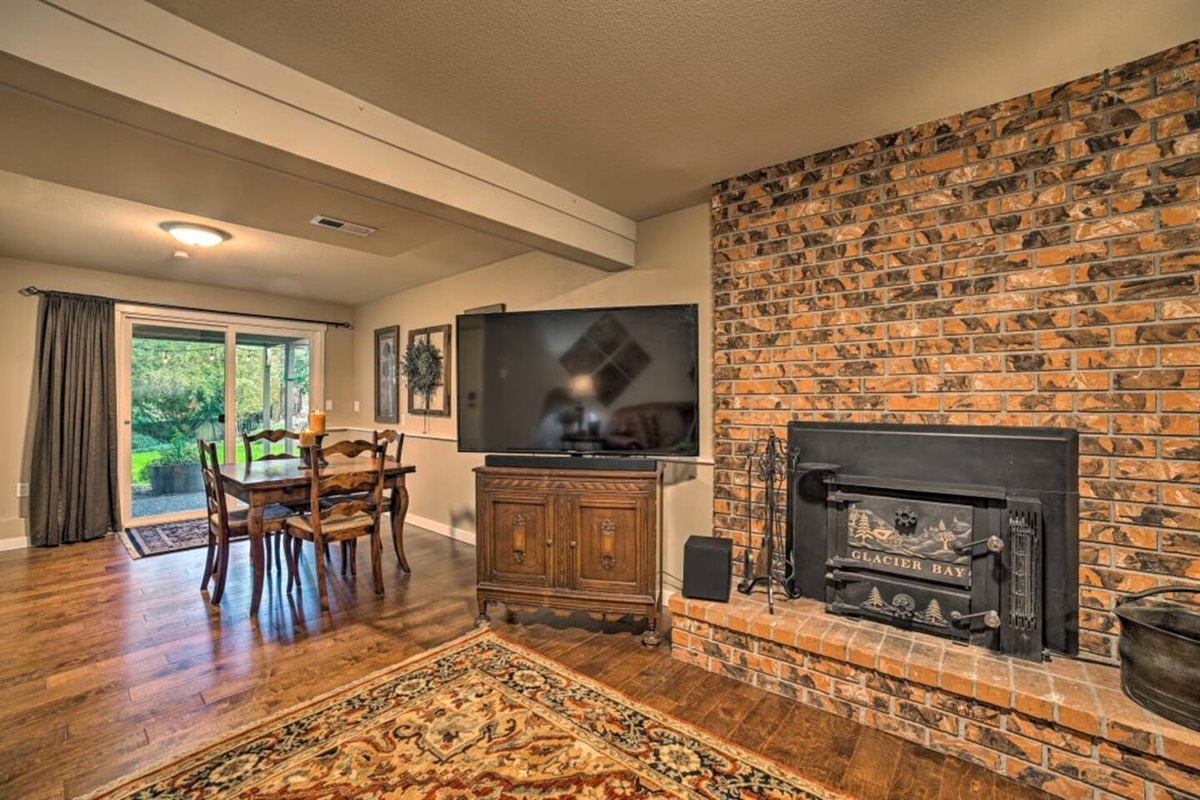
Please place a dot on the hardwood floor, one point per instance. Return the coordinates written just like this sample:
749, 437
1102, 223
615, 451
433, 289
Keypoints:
111, 665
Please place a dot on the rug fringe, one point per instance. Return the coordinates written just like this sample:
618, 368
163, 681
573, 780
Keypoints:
129, 546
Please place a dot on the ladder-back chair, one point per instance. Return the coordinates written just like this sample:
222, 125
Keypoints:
223, 524
357, 498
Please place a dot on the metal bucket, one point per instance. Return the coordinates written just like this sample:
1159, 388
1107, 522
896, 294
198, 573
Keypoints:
1160, 655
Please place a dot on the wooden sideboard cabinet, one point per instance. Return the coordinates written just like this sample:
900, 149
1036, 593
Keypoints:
570, 539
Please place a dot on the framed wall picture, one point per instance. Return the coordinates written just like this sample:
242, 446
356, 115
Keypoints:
387, 359
439, 400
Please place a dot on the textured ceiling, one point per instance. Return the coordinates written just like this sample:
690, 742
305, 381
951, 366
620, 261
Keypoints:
640, 104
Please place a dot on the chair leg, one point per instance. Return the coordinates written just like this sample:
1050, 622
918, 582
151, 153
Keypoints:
221, 568
210, 560
325, 550
353, 557
321, 590
278, 544
345, 549
377, 561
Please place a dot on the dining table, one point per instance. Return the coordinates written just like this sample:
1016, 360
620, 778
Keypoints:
288, 481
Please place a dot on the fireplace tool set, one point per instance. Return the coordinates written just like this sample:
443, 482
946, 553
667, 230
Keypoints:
772, 565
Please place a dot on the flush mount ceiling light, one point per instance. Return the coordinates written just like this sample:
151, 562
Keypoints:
195, 235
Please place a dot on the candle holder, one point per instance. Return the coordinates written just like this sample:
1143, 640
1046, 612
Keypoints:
306, 452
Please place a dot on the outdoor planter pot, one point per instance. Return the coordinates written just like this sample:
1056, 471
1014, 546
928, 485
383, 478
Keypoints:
175, 478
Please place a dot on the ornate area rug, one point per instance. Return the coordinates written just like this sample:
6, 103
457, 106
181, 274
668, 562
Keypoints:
477, 719
169, 537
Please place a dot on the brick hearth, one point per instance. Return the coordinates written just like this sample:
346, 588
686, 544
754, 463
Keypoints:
1061, 725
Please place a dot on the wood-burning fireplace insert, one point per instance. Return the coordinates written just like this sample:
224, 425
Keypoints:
966, 532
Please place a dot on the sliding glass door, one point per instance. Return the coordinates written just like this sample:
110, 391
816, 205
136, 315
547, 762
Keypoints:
274, 386
177, 393
185, 376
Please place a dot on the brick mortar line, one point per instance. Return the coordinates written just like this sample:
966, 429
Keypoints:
959, 208
1033, 211
906, 139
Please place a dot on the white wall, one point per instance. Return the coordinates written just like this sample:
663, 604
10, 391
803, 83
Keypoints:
673, 266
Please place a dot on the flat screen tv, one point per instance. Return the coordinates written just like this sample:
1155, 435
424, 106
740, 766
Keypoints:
611, 381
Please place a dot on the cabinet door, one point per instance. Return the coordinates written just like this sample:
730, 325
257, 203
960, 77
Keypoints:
518, 540
611, 553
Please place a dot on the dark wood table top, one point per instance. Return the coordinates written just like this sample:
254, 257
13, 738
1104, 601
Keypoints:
290, 472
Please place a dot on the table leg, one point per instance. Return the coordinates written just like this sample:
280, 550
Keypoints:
399, 511
254, 524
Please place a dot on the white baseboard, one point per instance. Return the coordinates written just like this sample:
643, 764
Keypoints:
442, 529
16, 543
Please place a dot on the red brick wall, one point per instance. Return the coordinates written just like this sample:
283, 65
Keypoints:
1034, 262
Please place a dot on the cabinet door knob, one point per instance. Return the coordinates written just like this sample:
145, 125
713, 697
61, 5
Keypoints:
572, 543
549, 543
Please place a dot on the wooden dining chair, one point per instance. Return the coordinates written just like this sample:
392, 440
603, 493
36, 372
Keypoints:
349, 549
347, 519
223, 524
392, 438
269, 437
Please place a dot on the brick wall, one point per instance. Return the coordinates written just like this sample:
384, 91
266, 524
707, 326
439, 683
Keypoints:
1033, 262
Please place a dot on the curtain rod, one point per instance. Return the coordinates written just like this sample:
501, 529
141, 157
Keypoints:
31, 291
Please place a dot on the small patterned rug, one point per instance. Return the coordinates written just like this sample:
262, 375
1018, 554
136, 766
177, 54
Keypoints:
478, 718
169, 537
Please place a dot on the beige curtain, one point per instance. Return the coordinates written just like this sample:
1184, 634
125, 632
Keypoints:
73, 481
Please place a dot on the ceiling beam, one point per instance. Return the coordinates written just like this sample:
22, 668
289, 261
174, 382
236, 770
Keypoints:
139, 51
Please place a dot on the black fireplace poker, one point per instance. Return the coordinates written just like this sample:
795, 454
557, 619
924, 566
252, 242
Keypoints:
767, 462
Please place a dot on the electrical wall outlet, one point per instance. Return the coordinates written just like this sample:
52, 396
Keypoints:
329, 405
22, 490
355, 406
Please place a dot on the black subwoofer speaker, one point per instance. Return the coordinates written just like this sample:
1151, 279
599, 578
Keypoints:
707, 563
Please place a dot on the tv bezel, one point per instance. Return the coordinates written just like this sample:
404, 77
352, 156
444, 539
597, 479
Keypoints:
692, 452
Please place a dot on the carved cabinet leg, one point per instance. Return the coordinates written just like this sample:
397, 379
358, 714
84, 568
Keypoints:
651, 637
482, 621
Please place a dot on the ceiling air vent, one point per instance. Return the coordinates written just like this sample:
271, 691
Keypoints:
352, 228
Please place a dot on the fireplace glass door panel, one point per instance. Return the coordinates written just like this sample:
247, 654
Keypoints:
916, 559
908, 537
906, 603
